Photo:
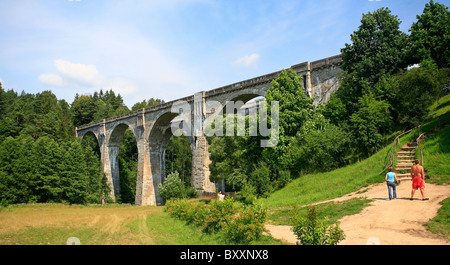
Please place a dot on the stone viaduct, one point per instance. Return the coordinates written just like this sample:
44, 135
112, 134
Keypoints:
152, 128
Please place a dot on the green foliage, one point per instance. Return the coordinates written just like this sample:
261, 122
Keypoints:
375, 52
260, 178
320, 150
247, 194
334, 110
179, 158
147, 103
440, 224
370, 122
415, 91
92, 108
430, 36
239, 224
376, 48
295, 111
310, 230
219, 215
128, 161
173, 187
48, 171
83, 110
295, 106
436, 153
247, 225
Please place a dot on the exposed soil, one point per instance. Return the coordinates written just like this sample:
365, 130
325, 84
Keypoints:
386, 222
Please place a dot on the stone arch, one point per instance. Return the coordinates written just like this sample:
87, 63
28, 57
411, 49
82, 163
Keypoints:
97, 148
159, 136
82, 134
165, 145
113, 145
244, 95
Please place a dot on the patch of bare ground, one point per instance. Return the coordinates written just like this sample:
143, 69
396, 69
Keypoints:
387, 222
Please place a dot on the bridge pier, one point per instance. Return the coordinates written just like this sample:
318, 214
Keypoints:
200, 166
145, 189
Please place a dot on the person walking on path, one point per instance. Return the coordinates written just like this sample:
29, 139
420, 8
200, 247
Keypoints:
418, 179
390, 180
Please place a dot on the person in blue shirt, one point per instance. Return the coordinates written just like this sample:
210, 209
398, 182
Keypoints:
390, 180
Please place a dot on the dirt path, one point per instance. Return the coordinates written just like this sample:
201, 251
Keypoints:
386, 222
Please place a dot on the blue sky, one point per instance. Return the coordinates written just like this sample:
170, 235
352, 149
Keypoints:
170, 49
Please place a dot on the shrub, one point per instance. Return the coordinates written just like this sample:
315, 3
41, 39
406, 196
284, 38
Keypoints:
311, 231
238, 224
173, 187
219, 215
247, 195
177, 207
247, 225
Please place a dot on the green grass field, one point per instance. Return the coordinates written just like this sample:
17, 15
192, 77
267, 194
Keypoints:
54, 224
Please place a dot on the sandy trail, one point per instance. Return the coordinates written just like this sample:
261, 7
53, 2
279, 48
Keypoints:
386, 222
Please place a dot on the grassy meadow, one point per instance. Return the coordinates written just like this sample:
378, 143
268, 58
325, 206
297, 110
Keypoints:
54, 224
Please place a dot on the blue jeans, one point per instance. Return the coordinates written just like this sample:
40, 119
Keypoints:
390, 185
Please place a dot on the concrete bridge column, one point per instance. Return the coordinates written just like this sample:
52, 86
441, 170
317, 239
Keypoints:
200, 155
145, 190
157, 161
113, 152
200, 166
105, 158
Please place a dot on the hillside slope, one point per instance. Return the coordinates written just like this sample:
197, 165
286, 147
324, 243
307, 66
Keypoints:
312, 188
392, 222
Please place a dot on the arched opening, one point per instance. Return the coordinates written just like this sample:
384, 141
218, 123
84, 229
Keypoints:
232, 168
159, 137
123, 157
97, 186
128, 163
249, 100
178, 158
90, 141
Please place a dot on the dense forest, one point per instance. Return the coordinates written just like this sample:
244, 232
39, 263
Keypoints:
380, 94
41, 160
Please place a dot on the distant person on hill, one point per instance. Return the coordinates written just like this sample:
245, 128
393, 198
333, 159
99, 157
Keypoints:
390, 180
418, 179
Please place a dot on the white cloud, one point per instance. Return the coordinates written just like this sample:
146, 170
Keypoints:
51, 80
79, 73
247, 61
76, 75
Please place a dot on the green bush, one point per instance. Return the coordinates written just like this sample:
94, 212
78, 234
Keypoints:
173, 187
312, 231
247, 225
238, 223
247, 195
219, 215
177, 207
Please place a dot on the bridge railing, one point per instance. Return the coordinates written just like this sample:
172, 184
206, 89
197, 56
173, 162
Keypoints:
225, 89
